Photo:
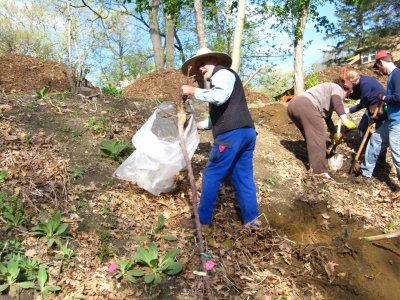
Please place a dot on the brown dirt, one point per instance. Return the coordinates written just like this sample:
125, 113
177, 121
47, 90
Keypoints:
28, 74
331, 73
166, 85
309, 247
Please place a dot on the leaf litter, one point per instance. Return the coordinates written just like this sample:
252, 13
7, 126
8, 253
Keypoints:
252, 263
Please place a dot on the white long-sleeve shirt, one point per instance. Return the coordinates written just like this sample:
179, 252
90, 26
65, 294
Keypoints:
222, 83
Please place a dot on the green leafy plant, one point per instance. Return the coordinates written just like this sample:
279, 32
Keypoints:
157, 230
9, 275
312, 80
10, 247
270, 181
98, 125
13, 212
105, 249
30, 267
3, 174
66, 253
111, 90
157, 265
45, 289
42, 93
76, 173
116, 149
125, 271
52, 231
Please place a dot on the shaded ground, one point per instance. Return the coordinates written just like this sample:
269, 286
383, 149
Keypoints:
309, 246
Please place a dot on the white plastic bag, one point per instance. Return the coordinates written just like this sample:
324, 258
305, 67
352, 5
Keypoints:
335, 162
158, 155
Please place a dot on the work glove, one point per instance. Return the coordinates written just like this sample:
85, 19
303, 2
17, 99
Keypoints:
337, 138
350, 125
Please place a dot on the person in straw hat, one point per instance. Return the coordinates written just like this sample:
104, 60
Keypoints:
233, 131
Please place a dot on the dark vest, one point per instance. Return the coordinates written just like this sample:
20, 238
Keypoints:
234, 113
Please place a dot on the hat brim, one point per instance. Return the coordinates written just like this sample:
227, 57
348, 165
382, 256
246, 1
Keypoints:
189, 67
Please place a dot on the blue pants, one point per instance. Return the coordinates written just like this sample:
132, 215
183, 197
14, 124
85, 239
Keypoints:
364, 122
380, 140
231, 153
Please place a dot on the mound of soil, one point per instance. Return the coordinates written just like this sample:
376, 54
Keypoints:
331, 73
20, 73
165, 84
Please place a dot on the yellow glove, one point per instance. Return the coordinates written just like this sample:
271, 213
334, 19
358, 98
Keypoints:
337, 138
350, 125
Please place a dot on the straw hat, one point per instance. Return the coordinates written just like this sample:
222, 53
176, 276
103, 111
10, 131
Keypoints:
223, 59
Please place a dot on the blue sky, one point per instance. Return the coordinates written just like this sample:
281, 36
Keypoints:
314, 52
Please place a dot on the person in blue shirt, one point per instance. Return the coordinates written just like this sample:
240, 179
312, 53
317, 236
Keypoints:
365, 88
387, 134
233, 131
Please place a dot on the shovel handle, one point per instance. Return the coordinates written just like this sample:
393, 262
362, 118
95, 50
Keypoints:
376, 111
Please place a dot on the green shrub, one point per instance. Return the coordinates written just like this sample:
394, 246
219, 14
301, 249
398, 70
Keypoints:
312, 80
111, 90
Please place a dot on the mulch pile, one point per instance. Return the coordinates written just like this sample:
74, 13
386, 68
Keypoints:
21, 73
331, 73
165, 84
161, 84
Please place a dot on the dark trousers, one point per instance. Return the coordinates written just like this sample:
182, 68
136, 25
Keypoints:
312, 126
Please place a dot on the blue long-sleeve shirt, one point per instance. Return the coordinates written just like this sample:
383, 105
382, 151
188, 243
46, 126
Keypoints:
392, 97
367, 91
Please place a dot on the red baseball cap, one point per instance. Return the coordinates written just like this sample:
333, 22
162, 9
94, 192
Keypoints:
381, 54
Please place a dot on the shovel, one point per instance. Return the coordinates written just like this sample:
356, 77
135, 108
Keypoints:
335, 160
355, 168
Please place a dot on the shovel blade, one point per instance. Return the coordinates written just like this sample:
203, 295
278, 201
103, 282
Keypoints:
355, 168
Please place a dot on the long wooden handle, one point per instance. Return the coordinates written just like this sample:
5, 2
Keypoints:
381, 236
339, 126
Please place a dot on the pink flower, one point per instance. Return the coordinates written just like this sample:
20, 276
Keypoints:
210, 264
112, 267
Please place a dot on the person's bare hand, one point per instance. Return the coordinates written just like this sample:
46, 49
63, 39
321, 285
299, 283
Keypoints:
187, 90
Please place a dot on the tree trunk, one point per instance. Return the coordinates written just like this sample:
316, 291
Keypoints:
69, 47
169, 42
156, 36
198, 13
237, 40
298, 51
228, 28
